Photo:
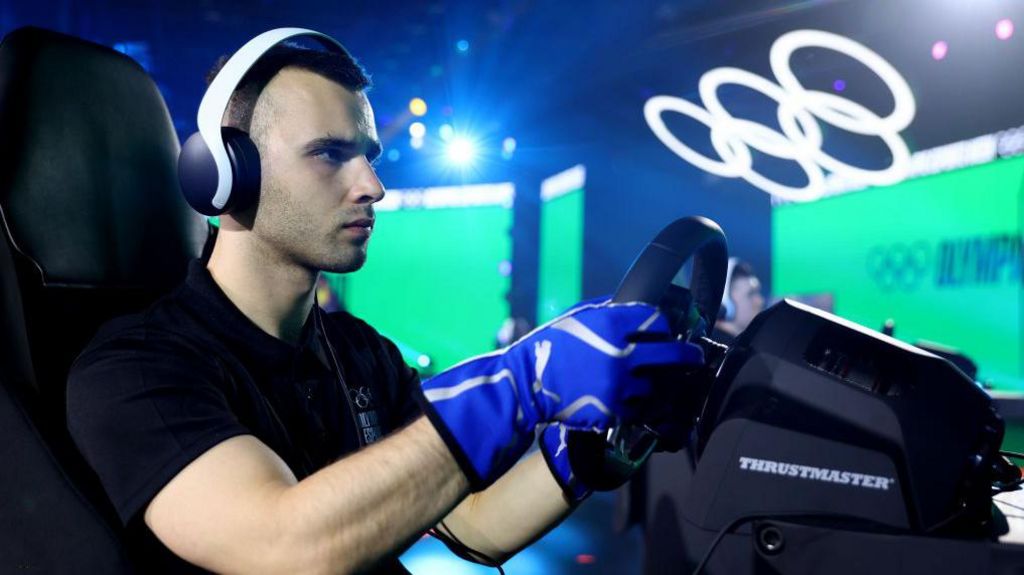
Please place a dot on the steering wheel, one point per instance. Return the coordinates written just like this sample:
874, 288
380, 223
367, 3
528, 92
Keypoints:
658, 277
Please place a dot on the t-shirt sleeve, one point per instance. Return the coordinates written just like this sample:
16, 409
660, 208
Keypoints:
141, 406
406, 408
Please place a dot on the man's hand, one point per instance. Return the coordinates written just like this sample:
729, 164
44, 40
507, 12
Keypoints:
580, 369
578, 460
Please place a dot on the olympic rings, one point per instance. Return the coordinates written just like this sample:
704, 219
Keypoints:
899, 266
362, 397
799, 111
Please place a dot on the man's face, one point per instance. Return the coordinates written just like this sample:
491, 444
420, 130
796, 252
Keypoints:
317, 140
746, 292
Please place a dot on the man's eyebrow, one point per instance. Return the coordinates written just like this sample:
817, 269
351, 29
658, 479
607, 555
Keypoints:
373, 148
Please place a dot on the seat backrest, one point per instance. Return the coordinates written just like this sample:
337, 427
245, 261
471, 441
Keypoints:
93, 226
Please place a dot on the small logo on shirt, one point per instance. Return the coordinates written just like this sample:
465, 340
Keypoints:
370, 424
362, 397
369, 421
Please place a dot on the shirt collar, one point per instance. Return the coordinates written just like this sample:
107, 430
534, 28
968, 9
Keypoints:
231, 325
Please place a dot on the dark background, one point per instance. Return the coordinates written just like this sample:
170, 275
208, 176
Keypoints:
568, 80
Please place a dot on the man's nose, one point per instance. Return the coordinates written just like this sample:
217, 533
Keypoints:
368, 188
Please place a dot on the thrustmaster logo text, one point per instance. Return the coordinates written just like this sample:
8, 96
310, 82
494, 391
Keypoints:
816, 473
799, 112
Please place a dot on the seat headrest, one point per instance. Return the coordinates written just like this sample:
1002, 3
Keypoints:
88, 184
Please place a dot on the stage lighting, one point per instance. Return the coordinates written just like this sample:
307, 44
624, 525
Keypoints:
138, 51
417, 130
461, 151
508, 147
415, 143
394, 155
1004, 29
939, 50
462, 46
417, 106
445, 132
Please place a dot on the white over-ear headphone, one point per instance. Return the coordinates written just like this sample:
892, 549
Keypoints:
219, 168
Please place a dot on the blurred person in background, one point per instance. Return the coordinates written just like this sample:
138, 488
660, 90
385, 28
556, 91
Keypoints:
741, 302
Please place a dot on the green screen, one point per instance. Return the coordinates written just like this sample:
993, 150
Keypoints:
940, 255
436, 280
560, 271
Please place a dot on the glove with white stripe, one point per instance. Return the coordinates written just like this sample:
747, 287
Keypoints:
579, 369
554, 445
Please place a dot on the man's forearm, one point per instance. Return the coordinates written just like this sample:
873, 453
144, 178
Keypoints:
512, 513
373, 502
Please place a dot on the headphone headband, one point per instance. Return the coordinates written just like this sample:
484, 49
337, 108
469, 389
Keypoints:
215, 101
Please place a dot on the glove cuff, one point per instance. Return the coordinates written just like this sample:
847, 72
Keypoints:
554, 445
476, 483
476, 410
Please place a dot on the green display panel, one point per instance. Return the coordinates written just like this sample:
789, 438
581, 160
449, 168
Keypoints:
940, 255
560, 267
437, 276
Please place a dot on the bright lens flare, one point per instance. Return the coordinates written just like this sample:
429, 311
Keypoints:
461, 151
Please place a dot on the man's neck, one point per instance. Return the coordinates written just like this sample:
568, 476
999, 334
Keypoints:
274, 293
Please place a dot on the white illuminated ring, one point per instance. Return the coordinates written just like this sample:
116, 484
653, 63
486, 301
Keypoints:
799, 111
818, 102
739, 159
894, 173
795, 144
756, 135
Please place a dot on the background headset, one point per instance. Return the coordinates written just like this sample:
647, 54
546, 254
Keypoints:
727, 311
219, 167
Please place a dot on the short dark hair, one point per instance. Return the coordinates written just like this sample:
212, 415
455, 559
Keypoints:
339, 67
742, 269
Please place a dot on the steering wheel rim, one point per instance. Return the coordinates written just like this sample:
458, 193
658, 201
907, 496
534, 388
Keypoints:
652, 272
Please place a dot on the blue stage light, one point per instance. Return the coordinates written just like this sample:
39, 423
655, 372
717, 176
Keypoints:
461, 151
508, 148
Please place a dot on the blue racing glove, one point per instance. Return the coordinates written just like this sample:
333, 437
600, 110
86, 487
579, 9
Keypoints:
554, 445
585, 462
578, 369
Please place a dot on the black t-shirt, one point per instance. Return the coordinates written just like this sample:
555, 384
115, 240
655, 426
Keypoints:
155, 390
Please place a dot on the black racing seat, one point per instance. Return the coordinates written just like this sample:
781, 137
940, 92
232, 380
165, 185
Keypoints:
93, 226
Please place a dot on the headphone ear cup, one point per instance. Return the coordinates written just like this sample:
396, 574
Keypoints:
245, 168
197, 175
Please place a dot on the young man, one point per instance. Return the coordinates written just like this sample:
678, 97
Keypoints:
226, 421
